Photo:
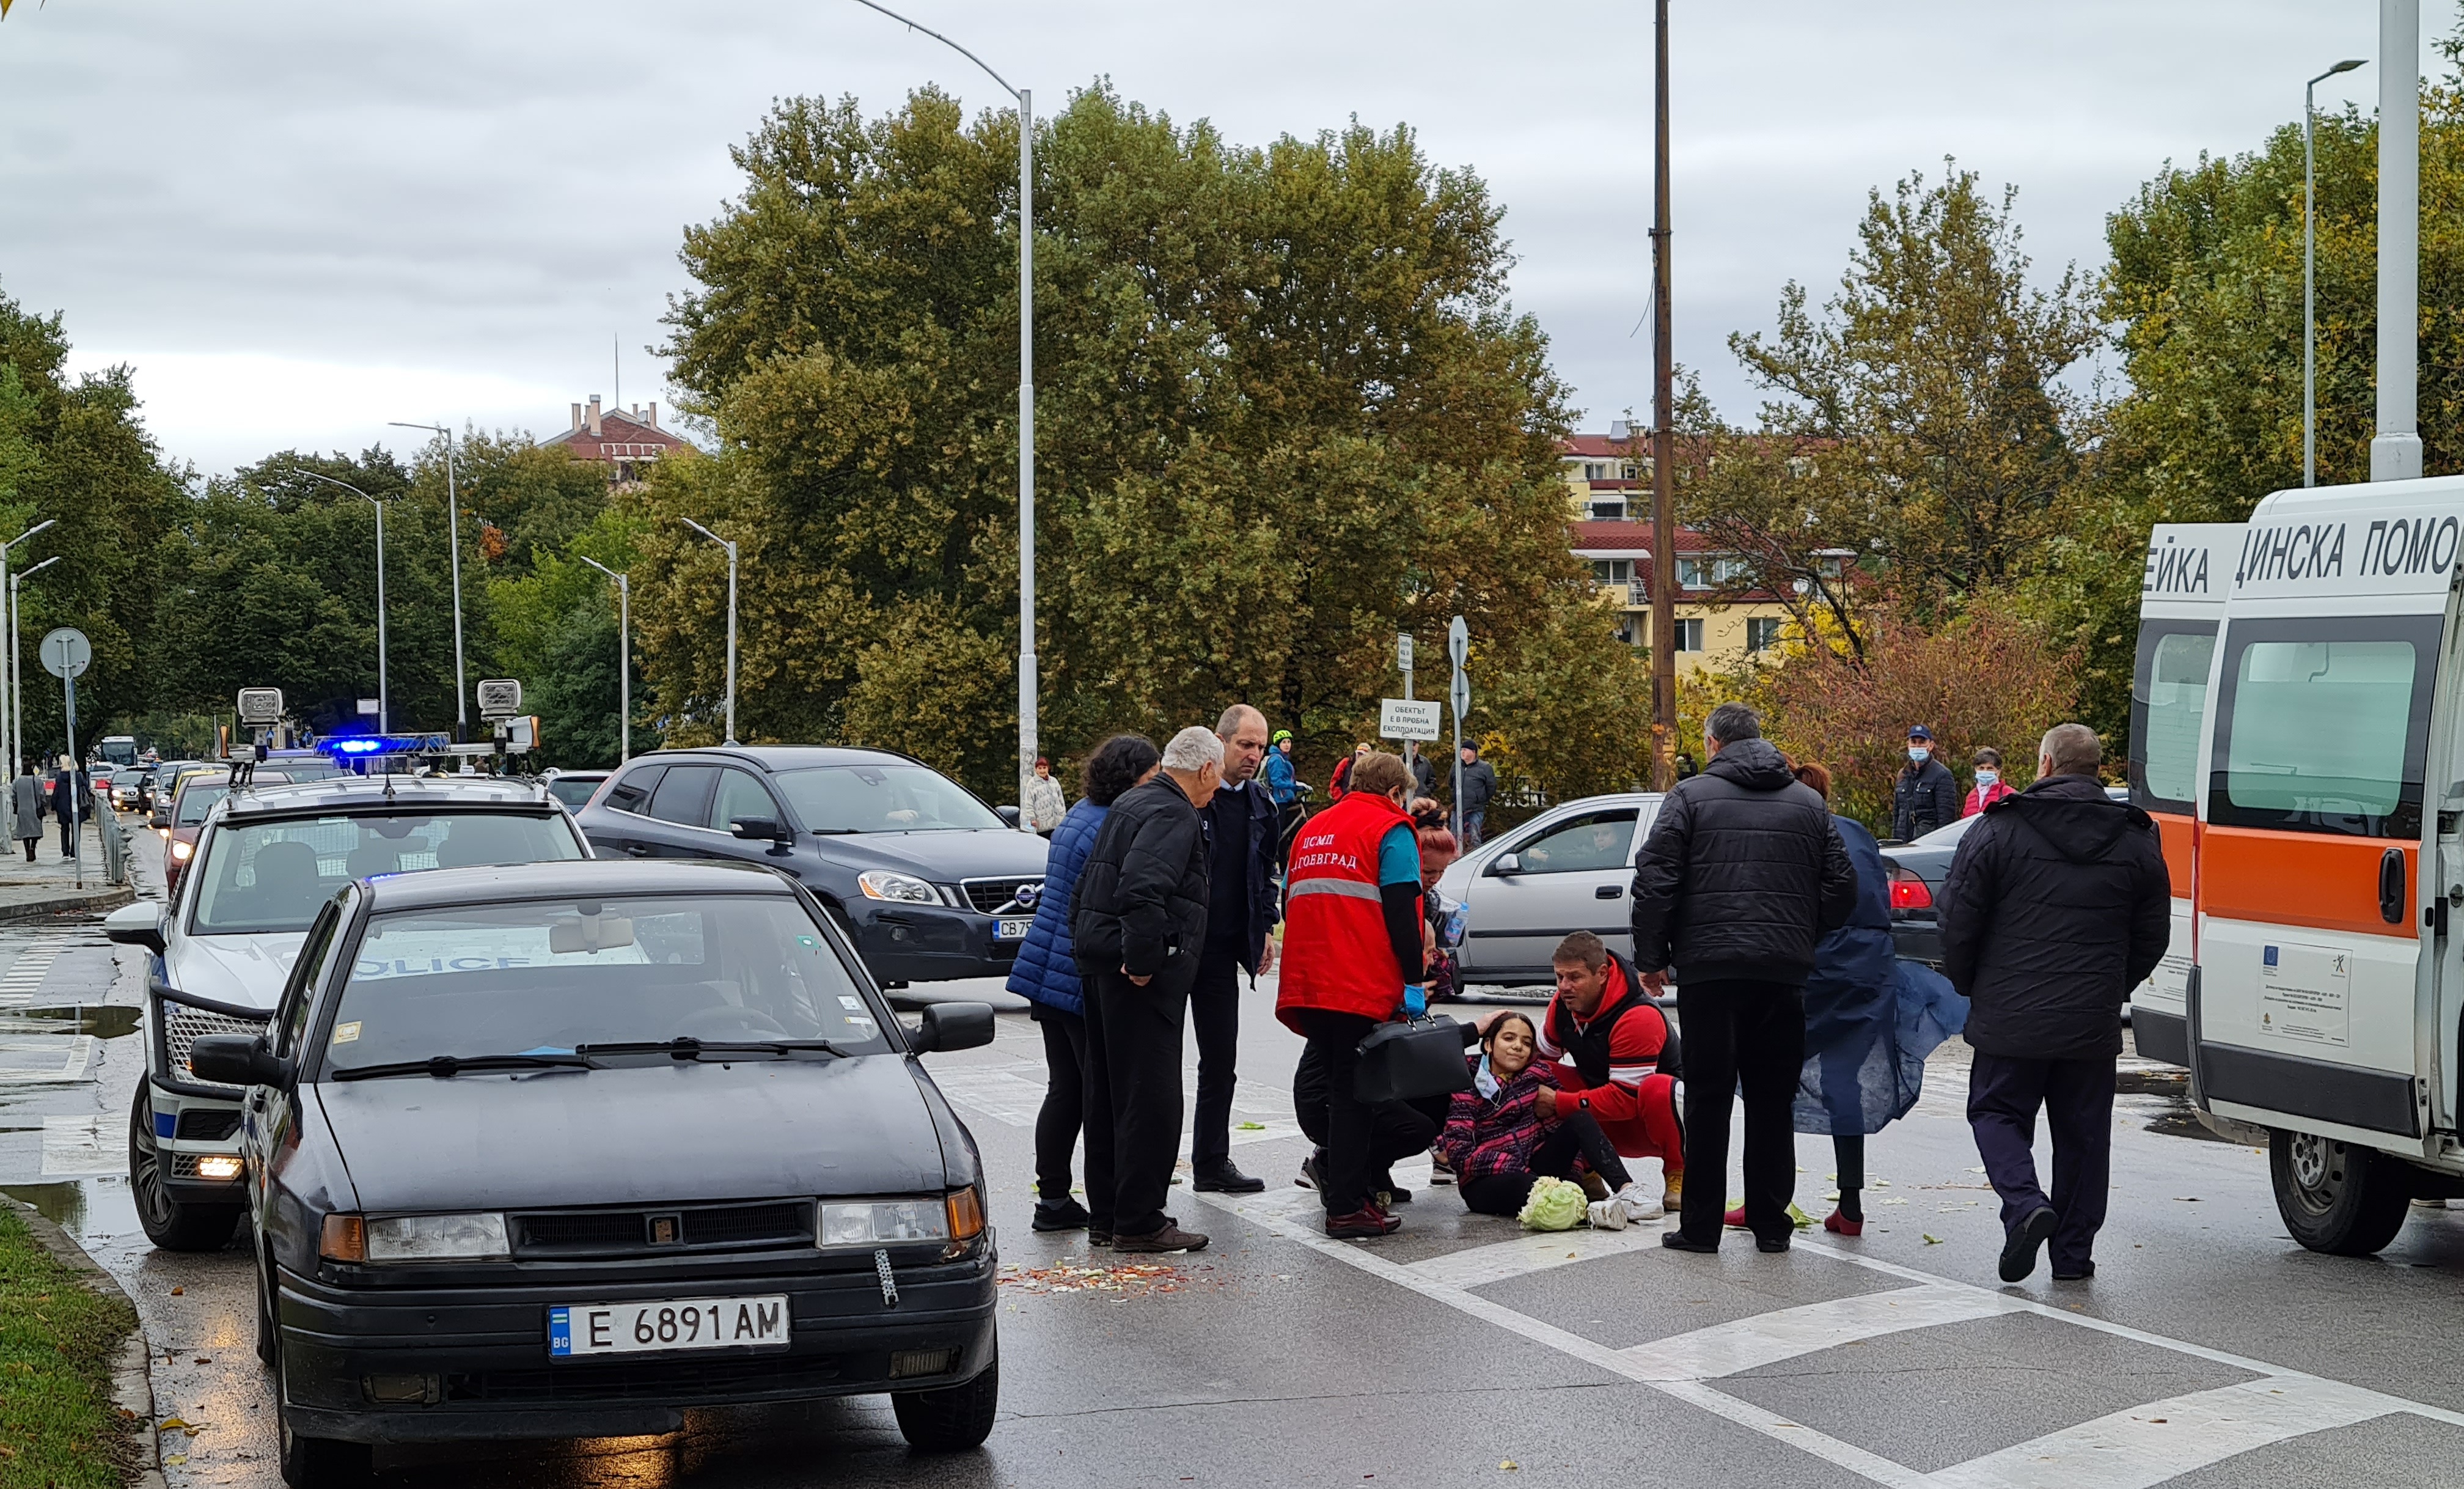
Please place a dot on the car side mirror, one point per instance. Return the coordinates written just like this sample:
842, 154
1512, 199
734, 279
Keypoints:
138, 924
760, 829
953, 1026
1507, 863
1008, 814
237, 1060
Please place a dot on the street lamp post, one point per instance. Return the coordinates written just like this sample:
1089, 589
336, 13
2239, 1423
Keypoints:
10, 664
453, 536
17, 662
385, 691
1026, 670
2309, 273
625, 658
731, 618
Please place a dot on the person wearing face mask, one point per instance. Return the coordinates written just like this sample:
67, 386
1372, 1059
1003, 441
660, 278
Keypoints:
1990, 787
1924, 796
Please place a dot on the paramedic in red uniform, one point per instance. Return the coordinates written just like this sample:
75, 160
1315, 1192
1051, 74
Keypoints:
1353, 959
1607, 1039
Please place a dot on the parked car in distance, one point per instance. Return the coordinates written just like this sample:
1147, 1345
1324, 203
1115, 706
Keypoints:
1569, 869
929, 881
733, 1184
574, 788
1918, 870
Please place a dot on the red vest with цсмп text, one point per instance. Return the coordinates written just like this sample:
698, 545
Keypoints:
1337, 952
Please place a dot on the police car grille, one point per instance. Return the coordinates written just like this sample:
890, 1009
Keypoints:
182, 1027
207, 1123
627, 1232
988, 895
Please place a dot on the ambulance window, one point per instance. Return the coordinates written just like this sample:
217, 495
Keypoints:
2325, 726
2169, 703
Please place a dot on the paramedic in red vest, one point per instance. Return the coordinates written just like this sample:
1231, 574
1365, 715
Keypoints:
1353, 959
1614, 1058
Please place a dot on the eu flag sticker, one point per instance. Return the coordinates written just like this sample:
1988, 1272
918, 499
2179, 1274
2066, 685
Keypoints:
560, 1331
2267, 956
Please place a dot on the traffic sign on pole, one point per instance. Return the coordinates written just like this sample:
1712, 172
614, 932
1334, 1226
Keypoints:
66, 653
1403, 651
1402, 719
1459, 641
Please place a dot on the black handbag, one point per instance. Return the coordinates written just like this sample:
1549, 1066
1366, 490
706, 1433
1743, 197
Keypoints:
1413, 1061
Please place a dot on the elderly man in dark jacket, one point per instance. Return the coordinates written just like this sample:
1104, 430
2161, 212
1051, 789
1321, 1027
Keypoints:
1138, 929
1742, 875
2057, 906
1244, 829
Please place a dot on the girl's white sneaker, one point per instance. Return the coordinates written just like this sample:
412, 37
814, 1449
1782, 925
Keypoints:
1638, 1206
1606, 1214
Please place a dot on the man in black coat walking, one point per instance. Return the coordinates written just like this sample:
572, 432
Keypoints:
1244, 830
1925, 794
1742, 875
2057, 906
1138, 925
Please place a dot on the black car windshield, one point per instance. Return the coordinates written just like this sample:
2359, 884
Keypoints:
889, 797
272, 876
548, 976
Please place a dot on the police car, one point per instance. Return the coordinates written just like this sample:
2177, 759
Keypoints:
268, 858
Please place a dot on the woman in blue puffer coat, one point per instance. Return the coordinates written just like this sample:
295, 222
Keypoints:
1046, 974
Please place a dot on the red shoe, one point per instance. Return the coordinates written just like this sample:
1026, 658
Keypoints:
1735, 1218
1840, 1225
1366, 1224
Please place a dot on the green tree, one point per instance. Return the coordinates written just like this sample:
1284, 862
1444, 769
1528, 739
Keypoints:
1283, 413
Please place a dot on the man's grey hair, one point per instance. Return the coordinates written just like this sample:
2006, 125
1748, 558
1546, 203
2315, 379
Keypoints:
1731, 723
1234, 717
1193, 749
2071, 749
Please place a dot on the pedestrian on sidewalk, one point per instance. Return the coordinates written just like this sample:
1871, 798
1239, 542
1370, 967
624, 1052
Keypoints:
72, 802
25, 811
1046, 974
1511, 1129
1989, 785
1138, 924
1243, 831
2057, 906
1352, 944
1870, 1021
1742, 875
1479, 787
1615, 1059
1925, 794
1424, 773
1046, 806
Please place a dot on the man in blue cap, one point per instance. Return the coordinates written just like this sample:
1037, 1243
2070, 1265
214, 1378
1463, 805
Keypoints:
1925, 794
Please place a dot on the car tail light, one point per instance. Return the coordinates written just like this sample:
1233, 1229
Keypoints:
1908, 892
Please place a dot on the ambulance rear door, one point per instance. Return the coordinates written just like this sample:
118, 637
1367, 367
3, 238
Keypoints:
2181, 599
2312, 989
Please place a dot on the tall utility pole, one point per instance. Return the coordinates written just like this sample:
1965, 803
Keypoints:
1027, 677
2310, 269
1663, 476
453, 542
384, 688
731, 618
2395, 449
624, 657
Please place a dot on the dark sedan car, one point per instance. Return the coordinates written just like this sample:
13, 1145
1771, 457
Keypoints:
1918, 870
930, 881
566, 1150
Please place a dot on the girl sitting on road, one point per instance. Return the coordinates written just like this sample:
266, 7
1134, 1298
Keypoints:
1506, 1133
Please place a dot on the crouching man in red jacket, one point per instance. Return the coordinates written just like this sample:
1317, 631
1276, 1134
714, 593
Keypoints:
1615, 1056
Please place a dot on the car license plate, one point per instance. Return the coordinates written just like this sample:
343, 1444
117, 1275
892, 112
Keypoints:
1013, 927
578, 1329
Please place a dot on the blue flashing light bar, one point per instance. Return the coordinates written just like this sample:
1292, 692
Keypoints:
357, 746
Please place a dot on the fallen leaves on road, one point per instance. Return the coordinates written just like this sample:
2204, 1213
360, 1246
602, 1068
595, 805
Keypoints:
175, 1424
1931, 1238
1510, 1466
1131, 1278
1251, 1127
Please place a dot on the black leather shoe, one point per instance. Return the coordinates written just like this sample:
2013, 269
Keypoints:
1779, 1245
1226, 1180
1678, 1240
2019, 1253
2087, 1269
1067, 1215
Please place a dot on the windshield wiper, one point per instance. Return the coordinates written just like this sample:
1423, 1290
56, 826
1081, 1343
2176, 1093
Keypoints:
443, 1065
684, 1047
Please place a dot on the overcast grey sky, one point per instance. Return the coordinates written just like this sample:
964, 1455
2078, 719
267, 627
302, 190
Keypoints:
299, 220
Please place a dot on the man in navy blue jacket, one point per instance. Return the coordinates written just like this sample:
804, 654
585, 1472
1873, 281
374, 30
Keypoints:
1244, 827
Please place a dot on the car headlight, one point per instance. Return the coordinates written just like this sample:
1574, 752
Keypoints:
397, 1238
882, 1222
902, 888
182, 851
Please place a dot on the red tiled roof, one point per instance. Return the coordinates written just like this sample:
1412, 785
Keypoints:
620, 438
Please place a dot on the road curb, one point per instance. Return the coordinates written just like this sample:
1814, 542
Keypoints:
132, 1382
108, 897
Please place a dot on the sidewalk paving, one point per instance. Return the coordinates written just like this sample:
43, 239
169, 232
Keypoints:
49, 885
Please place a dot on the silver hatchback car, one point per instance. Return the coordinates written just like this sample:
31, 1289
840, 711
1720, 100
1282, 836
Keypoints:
1569, 869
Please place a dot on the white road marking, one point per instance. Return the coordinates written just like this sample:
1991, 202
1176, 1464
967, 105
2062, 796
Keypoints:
2149, 1444
29, 1061
24, 979
1002, 1094
1769, 1338
74, 1148
1479, 1266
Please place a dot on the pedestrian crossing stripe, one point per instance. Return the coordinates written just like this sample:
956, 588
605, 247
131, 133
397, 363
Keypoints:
20, 985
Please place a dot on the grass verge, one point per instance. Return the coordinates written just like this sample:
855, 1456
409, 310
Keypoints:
58, 1340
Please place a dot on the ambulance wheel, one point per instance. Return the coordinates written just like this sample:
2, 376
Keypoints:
2336, 1197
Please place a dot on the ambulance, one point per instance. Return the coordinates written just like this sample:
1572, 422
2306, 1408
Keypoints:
2297, 728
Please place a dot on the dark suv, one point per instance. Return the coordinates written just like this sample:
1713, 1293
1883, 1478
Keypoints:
930, 881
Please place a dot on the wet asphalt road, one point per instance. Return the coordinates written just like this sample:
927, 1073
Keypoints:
2209, 1351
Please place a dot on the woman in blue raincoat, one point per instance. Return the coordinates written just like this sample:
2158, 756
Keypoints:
1870, 1021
